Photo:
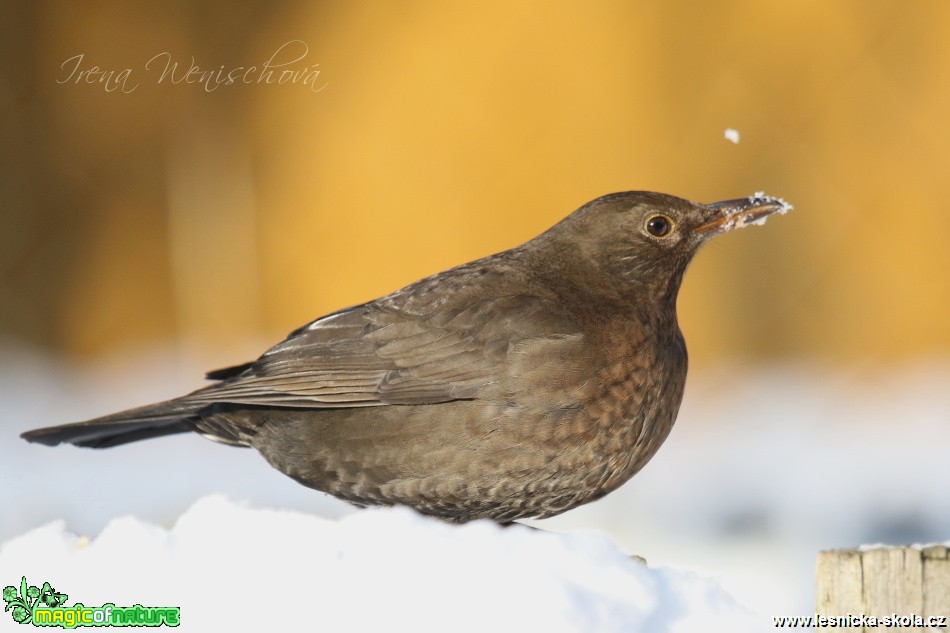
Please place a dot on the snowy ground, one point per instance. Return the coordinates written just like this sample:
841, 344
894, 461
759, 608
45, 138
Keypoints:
765, 467
233, 568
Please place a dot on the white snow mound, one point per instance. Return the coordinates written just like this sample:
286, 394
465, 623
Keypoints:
230, 567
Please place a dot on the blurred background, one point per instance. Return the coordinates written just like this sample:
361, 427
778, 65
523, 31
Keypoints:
157, 223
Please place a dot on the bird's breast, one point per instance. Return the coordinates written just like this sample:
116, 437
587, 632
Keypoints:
625, 412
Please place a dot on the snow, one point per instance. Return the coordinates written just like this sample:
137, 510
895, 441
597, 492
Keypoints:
742, 216
230, 567
870, 547
731, 135
766, 466
759, 197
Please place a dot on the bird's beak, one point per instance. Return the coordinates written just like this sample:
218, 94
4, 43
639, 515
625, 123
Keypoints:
735, 214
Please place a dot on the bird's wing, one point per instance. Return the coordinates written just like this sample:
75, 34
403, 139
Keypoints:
396, 350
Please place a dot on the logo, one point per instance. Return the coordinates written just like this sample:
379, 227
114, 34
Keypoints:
44, 606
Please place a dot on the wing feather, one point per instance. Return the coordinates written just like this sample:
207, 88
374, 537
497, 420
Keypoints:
383, 353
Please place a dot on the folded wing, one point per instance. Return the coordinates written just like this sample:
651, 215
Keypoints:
381, 353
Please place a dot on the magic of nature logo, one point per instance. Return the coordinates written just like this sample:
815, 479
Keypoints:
44, 606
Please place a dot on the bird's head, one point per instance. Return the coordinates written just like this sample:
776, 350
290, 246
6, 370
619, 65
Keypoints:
645, 240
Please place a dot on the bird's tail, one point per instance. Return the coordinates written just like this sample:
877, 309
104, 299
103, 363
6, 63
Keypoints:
154, 420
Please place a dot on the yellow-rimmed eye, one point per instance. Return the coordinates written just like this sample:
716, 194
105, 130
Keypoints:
658, 225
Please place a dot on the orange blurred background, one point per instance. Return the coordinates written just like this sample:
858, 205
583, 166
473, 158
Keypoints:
435, 133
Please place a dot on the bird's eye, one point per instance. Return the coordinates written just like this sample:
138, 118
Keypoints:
659, 225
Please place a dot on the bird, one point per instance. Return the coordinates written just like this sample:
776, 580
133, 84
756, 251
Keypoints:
520, 385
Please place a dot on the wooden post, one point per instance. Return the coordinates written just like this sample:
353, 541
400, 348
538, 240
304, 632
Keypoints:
884, 582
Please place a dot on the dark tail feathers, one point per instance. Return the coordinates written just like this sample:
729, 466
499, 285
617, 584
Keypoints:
154, 420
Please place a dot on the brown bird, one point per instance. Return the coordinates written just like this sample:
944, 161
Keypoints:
519, 385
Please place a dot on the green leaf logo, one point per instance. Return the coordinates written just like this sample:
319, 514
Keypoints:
21, 601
